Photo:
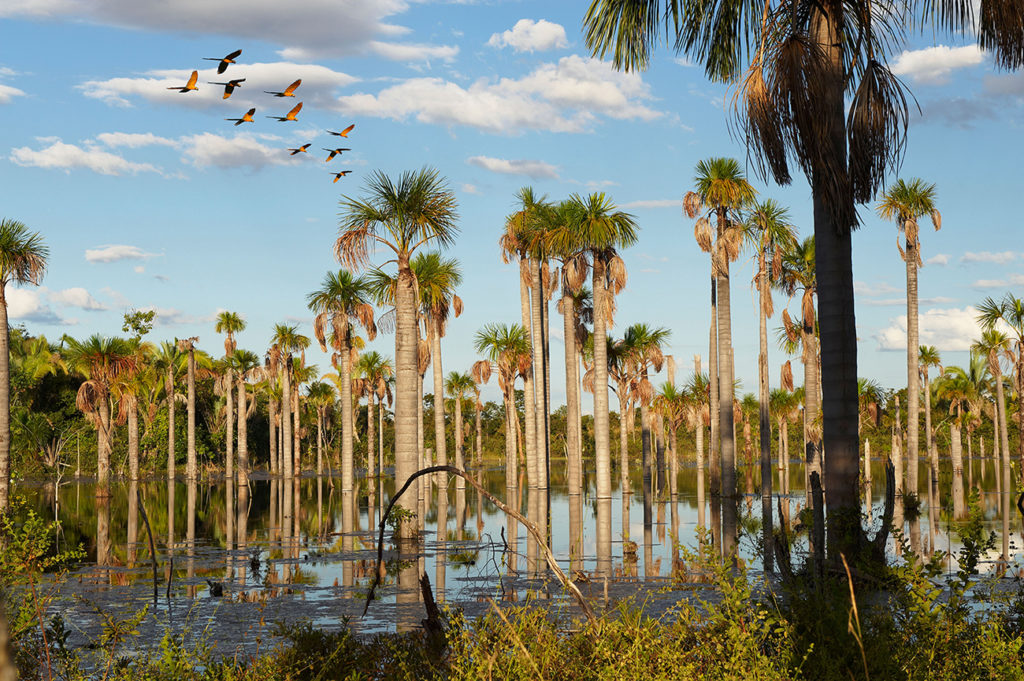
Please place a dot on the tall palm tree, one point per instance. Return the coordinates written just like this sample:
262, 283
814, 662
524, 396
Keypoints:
188, 346
23, 257
458, 386
229, 323
646, 352
375, 370
283, 343
302, 373
906, 202
927, 357
1009, 311
507, 350
722, 191
955, 387
321, 396
770, 232
995, 346
246, 366
618, 352
795, 72
601, 229
401, 216
341, 302
168, 361
102, 361
127, 388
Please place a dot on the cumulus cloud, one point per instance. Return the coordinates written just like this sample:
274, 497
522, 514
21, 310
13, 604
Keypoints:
133, 140
319, 86
470, 189
886, 302
76, 297
933, 65
566, 96
326, 27
1012, 280
409, 52
529, 168
67, 157
170, 316
26, 305
950, 329
7, 93
654, 203
941, 260
531, 36
881, 288
115, 252
987, 256
207, 150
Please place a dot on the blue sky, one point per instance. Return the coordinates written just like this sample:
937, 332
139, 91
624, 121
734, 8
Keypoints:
149, 199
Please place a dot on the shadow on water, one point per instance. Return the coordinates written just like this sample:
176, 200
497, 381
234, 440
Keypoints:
287, 550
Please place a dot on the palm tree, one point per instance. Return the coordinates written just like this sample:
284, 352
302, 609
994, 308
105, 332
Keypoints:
794, 72
1009, 311
507, 350
126, 389
168, 361
905, 202
721, 192
927, 357
955, 387
188, 346
23, 257
321, 396
301, 374
245, 365
458, 386
341, 302
769, 231
417, 209
600, 228
375, 370
284, 342
102, 361
995, 346
618, 352
229, 323
645, 345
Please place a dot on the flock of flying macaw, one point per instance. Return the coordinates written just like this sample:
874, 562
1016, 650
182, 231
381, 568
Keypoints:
247, 117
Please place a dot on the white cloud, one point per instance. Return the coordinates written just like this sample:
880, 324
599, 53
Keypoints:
933, 65
67, 157
170, 316
988, 256
531, 36
886, 302
863, 288
951, 329
319, 86
133, 140
115, 252
207, 150
139, 269
654, 203
27, 305
566, 96
322, 26
408, 52
76, 297
941, 260
1012, 280
470, 189
7, 93
529, 168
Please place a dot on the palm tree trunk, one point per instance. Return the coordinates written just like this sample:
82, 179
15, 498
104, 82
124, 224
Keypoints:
191, 467
133, 439
371, 437
297, 430
406, 381
545, 313
529, 387
956, 454
764, 419
479, 438
347, 420
575, 467
725, 391
319, 443
623, 442
103, 447
812, 453
716, 461
440, 439
272, 419
913, 385
511, 466
602, 445
169, 389
287, 462
243, 436
933, 452
229, 458
460, 453
1003, 429
5, 402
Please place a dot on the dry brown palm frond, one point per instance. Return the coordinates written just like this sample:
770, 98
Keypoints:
581, 335
876, 129
657, 358
786, 379
807, 308
359, 387
616, 275
481, 371
575, 271
737, 412
759, 116
732, 241
769, 302
545, 278
609, 310
643, 391
899, 245
776, 263
508, 245
524, 273
702, 233
89, 395
364, 313
319, 330
352, 248
911, 230
353, 355
386, 322
692, 205
456, 305
502, 384
588, 380
479, 406
705, 413
937, 219
719, 268
524, 363
423, 356
874, 414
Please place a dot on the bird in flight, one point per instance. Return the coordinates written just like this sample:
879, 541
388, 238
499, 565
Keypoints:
288, 91
338, 176
291, 115
247, 118
334, 152
224, 61
230, 86
301, 149
343, 133
190, 85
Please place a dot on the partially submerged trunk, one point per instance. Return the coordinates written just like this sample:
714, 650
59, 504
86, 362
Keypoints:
572, 444
243, 436
602, 445
169, 389
406, 380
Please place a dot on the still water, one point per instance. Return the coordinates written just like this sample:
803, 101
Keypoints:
233, 562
